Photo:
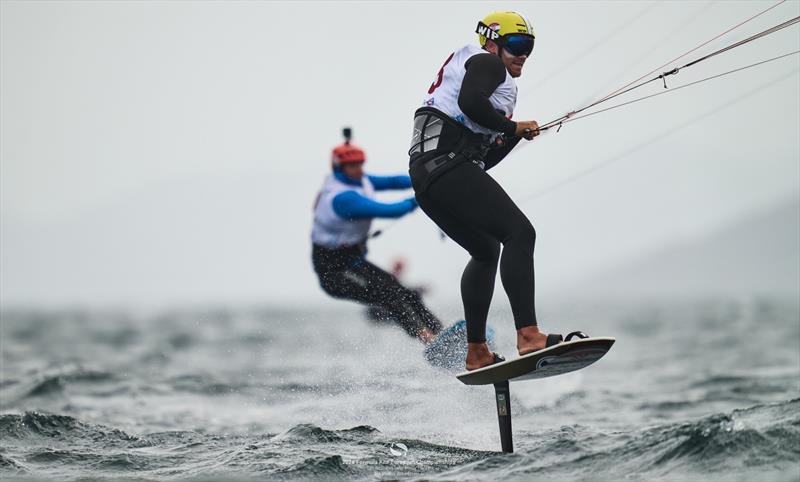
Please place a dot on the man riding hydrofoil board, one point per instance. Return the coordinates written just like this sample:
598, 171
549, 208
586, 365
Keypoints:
464, 129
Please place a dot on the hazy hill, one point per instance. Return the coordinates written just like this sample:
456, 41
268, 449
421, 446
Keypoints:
760, 255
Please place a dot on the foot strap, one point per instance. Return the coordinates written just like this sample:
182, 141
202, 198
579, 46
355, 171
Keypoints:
579, 334
553, 339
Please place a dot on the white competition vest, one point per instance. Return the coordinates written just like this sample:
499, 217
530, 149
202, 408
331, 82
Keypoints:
329, 229
443, 92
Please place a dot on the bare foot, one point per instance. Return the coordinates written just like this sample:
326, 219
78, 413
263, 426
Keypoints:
530, 339
478, 355
425, 335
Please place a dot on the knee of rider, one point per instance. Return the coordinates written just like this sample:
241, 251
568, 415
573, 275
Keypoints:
331, 285
489, 253
329, 288
522, 237
528, 233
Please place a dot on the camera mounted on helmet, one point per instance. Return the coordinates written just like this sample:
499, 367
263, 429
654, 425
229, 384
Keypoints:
346, 153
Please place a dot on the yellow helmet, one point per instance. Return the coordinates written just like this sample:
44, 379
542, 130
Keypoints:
498, 24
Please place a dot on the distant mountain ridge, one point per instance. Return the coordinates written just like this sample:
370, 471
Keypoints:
759, 256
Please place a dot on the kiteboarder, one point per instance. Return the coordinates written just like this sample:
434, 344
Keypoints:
463, 129
343, 213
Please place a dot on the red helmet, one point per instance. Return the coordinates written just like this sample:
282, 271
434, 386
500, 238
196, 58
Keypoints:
346, 153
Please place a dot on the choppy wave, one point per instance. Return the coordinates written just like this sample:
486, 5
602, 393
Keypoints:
50, 443
760, 436
762, 440
51, 384
317, 396
62, 428
758, 443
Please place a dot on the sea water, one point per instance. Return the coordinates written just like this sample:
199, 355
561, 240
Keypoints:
694, 390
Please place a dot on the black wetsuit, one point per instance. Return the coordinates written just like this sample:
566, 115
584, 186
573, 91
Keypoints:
345, 273
454, 190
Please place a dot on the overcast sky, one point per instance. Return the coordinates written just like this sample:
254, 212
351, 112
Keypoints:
169, 152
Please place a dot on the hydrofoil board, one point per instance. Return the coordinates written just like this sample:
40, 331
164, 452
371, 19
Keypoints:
562, 358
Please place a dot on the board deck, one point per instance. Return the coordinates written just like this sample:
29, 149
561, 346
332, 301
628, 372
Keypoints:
562, 358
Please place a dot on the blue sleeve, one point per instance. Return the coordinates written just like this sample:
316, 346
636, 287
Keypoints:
352, 205
381, 183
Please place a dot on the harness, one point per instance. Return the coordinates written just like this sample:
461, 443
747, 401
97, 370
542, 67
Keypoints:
439, 143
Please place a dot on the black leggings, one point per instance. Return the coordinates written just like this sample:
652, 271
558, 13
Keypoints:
345, 273
473, 210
